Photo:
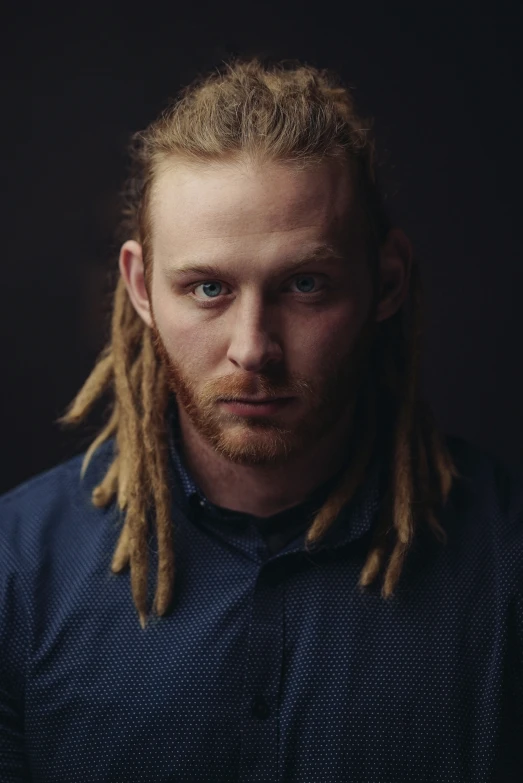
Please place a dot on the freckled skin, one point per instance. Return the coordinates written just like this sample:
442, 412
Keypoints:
265, 333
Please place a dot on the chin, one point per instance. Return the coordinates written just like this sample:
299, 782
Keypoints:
258, 446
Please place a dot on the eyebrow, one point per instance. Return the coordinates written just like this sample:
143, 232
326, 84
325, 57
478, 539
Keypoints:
323, 253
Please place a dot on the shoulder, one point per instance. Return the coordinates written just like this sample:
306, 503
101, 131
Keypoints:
495, 482
30, 510
486, 510
59, 481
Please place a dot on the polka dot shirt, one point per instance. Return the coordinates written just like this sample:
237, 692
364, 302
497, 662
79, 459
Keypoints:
271, 665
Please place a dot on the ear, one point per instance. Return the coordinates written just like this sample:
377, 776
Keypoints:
133, 274
394, 274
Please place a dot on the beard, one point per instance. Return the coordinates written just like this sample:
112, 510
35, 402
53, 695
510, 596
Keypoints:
264, 440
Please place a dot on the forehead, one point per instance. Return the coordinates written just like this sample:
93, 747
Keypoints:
230, 202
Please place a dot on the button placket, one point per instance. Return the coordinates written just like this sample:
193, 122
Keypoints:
259, 753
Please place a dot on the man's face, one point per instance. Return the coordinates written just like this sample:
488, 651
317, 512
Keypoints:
251, 324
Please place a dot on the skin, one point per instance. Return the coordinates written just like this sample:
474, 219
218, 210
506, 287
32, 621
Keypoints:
267, 331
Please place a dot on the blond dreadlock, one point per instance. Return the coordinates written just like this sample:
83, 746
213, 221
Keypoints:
287, 113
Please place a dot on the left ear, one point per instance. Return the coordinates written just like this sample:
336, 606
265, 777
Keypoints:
394, 273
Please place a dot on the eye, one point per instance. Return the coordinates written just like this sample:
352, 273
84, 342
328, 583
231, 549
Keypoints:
305, 284
211, 289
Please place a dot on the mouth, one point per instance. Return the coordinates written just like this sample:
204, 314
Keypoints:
256, 407
255, 400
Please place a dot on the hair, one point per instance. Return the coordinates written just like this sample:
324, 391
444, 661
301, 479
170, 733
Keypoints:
295, 114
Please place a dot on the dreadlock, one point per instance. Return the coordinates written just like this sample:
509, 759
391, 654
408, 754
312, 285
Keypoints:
285, 112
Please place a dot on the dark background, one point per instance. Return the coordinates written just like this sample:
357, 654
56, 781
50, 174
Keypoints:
443, 83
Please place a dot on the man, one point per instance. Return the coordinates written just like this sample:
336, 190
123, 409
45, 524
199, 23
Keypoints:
338, 587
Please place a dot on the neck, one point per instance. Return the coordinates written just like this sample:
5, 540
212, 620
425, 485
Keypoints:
264, 490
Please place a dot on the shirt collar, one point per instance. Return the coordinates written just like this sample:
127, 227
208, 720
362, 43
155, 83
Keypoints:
354, 520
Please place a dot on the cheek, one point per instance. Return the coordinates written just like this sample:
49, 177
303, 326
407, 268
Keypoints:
188, 341
332, 333
168, 317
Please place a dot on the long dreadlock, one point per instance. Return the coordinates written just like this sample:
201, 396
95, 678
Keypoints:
292, 113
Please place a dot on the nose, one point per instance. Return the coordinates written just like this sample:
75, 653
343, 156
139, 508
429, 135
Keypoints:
253, 343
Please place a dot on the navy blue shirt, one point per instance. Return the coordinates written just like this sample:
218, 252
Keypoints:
272, 665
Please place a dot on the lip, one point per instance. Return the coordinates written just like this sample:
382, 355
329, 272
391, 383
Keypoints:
257, 399
264, 407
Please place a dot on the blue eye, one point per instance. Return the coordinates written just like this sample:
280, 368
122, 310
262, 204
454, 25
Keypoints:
306, 285
309, 288
213, 288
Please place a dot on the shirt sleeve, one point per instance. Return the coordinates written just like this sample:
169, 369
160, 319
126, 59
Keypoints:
519, 642
13, 659
515, 517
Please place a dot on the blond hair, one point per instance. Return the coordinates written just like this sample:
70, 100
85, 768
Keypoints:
292, 113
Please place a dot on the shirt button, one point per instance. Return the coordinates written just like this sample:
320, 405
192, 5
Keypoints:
260, 708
